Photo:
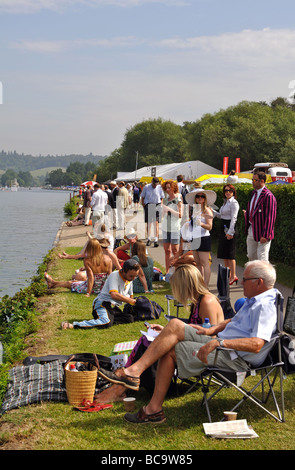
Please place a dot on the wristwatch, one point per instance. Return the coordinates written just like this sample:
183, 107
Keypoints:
221, 342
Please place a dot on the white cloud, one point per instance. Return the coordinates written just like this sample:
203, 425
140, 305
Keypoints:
248, 46
61, 46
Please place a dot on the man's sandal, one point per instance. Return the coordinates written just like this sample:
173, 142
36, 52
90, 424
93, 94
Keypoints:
142, 418
119, 377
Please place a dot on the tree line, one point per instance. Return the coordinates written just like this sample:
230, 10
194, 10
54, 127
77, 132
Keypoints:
252, 131
21, 162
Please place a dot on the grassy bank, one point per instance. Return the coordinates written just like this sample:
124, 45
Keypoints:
56, 426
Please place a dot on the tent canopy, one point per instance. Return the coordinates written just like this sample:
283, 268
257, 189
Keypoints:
190, 171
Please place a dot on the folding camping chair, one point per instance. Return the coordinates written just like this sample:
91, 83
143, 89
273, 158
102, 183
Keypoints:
176, 304
223, 291
223, 295
269, 372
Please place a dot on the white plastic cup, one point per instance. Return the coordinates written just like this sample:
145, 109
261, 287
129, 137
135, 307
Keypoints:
230, 415
129, 403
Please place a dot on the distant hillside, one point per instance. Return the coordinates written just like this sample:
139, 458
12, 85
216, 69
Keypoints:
22, 162
45, 171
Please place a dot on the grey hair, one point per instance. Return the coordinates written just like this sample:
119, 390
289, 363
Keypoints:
264, 270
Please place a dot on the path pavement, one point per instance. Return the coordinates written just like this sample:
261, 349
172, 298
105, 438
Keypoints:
76, 236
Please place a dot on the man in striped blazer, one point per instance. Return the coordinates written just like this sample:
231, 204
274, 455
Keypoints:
260, 218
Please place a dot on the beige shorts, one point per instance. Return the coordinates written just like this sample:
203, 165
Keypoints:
189, 365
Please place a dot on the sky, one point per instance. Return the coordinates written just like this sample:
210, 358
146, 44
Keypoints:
75, 75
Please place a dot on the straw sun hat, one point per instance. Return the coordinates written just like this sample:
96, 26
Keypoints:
210, 196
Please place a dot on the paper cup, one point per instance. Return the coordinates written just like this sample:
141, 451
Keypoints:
230, 415
129, 403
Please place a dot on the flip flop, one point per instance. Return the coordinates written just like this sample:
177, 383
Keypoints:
92, 407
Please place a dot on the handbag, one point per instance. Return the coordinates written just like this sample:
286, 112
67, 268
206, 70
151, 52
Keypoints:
80, 385
144, 309
187, 231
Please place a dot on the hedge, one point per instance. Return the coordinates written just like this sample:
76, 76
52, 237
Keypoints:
282, 248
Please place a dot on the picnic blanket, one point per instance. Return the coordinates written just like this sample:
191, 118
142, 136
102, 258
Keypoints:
34, 384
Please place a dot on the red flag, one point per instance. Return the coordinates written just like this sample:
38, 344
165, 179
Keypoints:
225, 165
238, 165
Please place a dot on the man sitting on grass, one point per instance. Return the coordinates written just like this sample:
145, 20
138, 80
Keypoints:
117, 289
192, 348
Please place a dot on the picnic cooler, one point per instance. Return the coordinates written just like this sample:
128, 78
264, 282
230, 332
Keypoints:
80, 385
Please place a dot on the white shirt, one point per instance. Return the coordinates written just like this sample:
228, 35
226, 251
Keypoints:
114, 283
99, 201
229, 211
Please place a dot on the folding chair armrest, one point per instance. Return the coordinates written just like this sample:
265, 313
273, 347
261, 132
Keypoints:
222, 348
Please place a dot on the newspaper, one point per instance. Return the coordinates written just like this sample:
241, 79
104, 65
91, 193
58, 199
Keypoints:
150, 334
237, 429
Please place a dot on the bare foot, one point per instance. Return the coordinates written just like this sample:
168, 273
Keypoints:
113, 393
49, 281
66, 325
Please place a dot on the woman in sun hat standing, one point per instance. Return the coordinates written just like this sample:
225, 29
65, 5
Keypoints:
202, 220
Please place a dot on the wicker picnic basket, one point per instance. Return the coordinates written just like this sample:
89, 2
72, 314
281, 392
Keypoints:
80, 385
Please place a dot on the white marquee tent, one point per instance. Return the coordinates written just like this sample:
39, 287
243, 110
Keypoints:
190, 171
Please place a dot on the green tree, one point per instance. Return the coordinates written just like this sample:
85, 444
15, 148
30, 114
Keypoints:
56, 178
8, 177
25, 178
254, 132
156, 141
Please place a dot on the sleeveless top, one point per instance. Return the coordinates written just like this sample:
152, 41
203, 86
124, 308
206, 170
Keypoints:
194, 315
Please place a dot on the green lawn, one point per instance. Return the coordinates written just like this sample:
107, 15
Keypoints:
57, 426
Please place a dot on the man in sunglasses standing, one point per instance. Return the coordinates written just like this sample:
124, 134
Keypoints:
260, 218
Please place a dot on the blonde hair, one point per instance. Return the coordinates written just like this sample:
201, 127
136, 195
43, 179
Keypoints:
94, 251
188, 285
139, 249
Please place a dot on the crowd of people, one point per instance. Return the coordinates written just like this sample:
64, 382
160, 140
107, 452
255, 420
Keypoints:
113, 272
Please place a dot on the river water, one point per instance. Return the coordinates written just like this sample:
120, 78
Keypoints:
30, 220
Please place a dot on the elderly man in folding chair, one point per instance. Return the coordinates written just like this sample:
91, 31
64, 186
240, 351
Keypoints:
192, 348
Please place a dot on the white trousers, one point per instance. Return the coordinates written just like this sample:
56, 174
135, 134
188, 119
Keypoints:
257, 250
87, 215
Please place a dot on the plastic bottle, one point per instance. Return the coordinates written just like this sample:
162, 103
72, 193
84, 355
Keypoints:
225, 229
206, 323
73, 368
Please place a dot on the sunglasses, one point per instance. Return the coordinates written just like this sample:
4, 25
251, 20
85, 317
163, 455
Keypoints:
200, 195
228, 191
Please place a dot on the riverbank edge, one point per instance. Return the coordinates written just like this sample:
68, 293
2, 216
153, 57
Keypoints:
65, 237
